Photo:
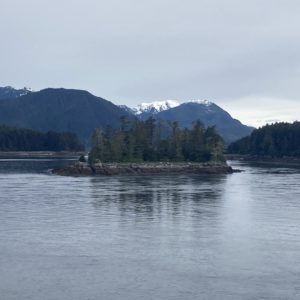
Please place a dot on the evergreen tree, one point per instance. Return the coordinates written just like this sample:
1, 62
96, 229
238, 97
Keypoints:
143, 141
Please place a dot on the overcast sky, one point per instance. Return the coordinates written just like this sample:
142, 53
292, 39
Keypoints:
242, 55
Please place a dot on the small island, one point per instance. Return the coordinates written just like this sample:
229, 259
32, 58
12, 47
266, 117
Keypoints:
152, 147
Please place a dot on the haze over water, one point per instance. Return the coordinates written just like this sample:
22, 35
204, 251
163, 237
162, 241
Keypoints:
149, 237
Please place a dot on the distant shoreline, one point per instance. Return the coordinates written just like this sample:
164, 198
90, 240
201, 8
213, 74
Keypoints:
40, 154
83, 169
285, 161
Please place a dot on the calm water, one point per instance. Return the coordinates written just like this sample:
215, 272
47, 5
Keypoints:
165, 237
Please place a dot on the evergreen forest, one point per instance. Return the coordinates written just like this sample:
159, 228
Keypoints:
147, 141
277, 140
18, 139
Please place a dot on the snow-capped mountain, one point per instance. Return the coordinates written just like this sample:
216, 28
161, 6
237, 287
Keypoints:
186, 113
148, 109
155, 107
8, 92
159, 106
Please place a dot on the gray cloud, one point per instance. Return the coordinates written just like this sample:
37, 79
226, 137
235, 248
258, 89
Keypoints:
130, 50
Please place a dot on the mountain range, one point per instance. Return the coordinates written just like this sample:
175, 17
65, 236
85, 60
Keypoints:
188, 112
80, 112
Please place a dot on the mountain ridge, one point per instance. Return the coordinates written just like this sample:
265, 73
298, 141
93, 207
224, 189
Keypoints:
60, 110
79, 111
211, 115
188, 112
8, 92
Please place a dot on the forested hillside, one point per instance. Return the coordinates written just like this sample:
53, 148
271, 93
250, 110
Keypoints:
16, 139
276, 140
143, 141
60, 110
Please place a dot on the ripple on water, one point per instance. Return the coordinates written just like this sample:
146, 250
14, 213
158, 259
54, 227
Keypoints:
152, 237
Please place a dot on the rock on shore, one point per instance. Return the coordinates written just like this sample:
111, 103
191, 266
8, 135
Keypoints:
83, 169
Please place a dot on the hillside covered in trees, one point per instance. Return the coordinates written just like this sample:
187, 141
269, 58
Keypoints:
16, 139
60, 110
277, 140
78, 111
138, 141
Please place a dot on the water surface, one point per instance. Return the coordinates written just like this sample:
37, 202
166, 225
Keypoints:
148, 237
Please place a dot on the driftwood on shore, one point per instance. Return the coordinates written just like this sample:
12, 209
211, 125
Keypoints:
84, 169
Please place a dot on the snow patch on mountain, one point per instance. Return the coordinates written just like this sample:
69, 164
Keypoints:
11, 92
25, 91
155, 107
158, 106
202, 102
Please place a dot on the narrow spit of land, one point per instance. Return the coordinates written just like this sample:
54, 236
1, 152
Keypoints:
84, 169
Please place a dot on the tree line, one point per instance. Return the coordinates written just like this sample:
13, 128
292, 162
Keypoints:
19, 139
150, 140
277, 140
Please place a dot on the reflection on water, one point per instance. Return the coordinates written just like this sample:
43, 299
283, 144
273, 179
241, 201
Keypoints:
151, 237
31, 165
146, 197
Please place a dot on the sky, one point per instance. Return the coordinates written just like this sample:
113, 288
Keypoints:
242, 55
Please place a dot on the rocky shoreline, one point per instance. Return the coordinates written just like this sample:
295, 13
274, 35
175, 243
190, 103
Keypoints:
84, 169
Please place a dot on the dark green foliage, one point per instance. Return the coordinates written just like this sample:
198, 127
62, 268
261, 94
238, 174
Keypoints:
17, 139
276, 140
82, 159
139, 141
